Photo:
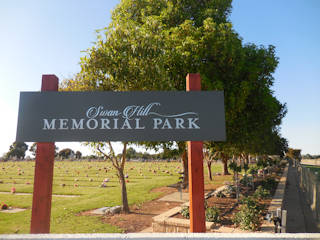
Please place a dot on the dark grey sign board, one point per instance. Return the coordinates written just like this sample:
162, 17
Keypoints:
121, 116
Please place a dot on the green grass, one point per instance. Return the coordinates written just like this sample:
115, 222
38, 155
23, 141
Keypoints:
65, 217
64, 214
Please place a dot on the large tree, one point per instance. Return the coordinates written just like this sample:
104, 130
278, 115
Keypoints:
153, 44
18, 150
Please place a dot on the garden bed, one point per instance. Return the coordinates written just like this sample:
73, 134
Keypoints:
227, 207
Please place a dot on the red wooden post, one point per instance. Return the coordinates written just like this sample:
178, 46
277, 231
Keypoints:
43, 174
196, 180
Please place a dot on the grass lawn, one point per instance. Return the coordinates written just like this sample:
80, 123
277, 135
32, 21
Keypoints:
84, 179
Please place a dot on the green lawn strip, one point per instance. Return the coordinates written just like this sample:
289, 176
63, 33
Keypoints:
15, 222
16, 201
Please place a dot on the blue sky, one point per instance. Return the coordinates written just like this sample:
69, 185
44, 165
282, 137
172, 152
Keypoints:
47, 37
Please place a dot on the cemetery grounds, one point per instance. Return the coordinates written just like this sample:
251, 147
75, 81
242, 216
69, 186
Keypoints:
81, 182
82, 186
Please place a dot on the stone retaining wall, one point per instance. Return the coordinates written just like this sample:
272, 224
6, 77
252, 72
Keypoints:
165, 222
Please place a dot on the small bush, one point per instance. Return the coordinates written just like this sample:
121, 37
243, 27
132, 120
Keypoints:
250, 202
247, 218
261, 193
253, 170
269, 184
185, 212
245, 180
212, 214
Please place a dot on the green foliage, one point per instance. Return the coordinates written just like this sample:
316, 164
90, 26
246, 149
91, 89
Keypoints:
269, 184
152, 45
261, 193
212, 214
234, 167
309, 156
245, 180
250, 202
247, 218
253, 170
18, 150
262, 163
185, 212
245, 167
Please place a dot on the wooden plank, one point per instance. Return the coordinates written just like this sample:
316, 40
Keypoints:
43, 175
196, 179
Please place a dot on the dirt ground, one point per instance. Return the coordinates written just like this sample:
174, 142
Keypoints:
140, 216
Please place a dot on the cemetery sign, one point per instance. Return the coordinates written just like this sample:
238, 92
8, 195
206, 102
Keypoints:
121, 116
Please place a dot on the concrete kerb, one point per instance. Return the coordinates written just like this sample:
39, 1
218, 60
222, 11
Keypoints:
276, 202
163, 236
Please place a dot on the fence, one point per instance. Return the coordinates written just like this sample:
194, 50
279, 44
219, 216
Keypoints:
310, 183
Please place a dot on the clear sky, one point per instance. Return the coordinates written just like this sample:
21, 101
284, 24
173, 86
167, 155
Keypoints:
46, 37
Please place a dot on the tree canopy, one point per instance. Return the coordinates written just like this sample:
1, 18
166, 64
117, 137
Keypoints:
153, 44
17, 149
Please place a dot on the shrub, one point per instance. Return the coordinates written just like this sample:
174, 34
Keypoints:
247, 218
269, 184
212, 214
245, 180
253, 170
185, 212
261, 193
250, 202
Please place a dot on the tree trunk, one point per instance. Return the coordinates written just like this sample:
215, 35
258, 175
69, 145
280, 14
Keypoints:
209, 170
185, 169
236, 177
124, 197
225, 165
